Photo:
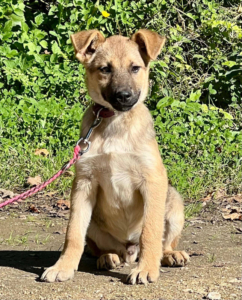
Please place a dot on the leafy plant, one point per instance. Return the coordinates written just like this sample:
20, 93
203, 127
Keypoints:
195, 86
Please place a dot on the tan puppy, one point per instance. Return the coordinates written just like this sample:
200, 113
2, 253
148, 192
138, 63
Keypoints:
120, 196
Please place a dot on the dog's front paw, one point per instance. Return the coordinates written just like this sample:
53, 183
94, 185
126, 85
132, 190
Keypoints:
57, 273
108, 261
143, 275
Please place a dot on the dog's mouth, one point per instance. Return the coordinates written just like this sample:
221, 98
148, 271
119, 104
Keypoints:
122, 106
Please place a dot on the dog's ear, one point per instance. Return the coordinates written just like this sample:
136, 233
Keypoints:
85, 44
150, 44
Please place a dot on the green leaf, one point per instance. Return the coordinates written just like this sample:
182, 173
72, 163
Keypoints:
211, 90
55, 48
44, 44
18, 12
12, 53
25, 27
38, 58
195, 96
53, 33
230, 63
163, 64
17, 20
39, 19
227, 115
8, 26
32, 47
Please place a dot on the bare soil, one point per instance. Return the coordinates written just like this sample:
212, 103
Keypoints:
30, 242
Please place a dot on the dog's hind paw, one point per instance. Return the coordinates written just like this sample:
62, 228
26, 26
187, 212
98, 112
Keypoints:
175, 258
108, 261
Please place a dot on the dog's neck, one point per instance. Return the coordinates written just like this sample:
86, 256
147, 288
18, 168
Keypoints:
135, 122
101, 111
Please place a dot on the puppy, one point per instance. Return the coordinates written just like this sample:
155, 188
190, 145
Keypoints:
120, 201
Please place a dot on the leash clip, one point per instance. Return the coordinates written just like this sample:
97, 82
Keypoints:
85, 140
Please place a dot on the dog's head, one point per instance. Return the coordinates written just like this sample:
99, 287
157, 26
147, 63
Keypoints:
117, 68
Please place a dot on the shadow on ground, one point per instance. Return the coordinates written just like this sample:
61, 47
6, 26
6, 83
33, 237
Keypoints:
36, 261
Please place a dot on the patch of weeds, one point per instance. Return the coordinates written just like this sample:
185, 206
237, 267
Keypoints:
193, 209
48, 224
45, 240
9, 241
214, 237
36, 239
19, 165
233, 237
13, 215
16, 240
30, 219
211, 257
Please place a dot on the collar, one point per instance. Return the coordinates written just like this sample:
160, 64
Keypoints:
104, 112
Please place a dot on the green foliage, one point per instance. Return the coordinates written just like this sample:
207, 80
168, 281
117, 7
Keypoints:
196, 85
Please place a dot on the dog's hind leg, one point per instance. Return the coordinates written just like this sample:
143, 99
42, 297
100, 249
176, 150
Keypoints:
174, 221
110, 252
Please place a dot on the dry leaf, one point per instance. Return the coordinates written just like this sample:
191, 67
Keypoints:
63, 204
69, 174
33, 209
6, 194
208, 197
236, 209
32, 181
50, 194
42, 152
239, 229
219, 194
233, 216
237, 198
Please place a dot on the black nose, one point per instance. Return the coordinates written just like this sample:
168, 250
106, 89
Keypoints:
123, 96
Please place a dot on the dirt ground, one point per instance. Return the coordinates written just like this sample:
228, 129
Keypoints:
31, 240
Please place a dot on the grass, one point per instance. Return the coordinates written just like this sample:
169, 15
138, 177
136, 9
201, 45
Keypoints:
16, 240
192, 179
211, 258
17, 167
41, 241
192, 209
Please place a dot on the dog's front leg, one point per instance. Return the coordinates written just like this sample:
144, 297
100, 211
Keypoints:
154, 192
83, 198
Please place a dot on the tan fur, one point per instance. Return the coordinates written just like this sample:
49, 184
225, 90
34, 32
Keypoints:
120, 196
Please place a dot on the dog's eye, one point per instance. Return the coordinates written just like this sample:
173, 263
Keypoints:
135, 69
105, 70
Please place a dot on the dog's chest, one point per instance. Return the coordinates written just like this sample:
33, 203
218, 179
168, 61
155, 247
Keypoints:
115, 167
118, 174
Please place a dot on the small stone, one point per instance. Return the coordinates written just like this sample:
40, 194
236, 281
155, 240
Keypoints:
23, 217
188, 291
213, 296
236, 280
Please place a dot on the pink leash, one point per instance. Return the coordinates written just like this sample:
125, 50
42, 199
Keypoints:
41, 186
100, 112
